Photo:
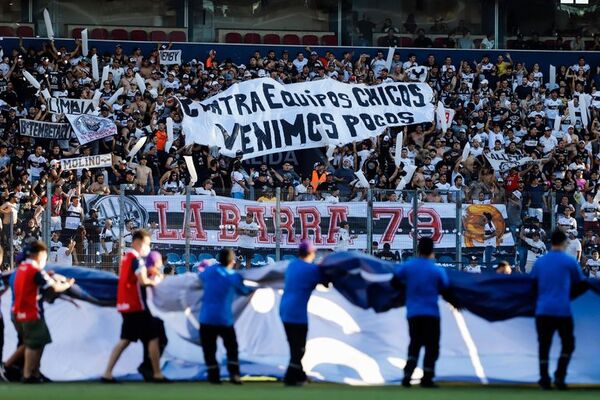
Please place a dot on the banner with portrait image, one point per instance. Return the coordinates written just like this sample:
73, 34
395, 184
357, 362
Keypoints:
44, 130
262, 116
88, 128
213, 221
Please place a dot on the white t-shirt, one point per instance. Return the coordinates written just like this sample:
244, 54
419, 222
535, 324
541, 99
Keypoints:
473, 269
299, 64
73, 219
64, 257
590, 263
36, 165
573, 247
108, 239
207, 192
490, 229
343, 240
236, 176
591, 210
246, 241
568, 223
534, 249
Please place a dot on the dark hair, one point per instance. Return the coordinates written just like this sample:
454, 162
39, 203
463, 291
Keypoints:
425, 247
35, 247
140, 234
558, 238
225, 257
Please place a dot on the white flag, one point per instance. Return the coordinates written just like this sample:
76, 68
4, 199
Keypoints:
189, 161
84, 43
441, 116
95, 70
140, 83
170, 136
31, 79
397, 155
138, 145
390, 58
552, 75
466, 152
48, 22
115, 96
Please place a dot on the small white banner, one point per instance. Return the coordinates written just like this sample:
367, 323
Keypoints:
97, 161
170, 57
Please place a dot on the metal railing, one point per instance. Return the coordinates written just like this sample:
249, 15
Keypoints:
189, 228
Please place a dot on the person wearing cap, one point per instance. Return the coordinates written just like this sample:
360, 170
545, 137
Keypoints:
555, 273
473, 267
535, 247
301, 278
221, 284
423, 281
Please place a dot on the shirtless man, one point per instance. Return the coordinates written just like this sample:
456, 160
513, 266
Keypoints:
144, 176
99, 187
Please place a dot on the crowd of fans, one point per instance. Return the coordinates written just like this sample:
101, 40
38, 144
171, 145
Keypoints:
502, 106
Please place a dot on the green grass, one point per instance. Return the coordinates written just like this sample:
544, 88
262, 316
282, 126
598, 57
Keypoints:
275, 391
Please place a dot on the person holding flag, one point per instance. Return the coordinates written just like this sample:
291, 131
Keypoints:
221, 284
556, 273
301, 278
138, 322
424, 281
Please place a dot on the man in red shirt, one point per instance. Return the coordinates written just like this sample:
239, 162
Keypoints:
27, 310
138, 323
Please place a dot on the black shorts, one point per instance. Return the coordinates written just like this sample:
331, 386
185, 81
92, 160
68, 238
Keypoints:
246, 253
138, 326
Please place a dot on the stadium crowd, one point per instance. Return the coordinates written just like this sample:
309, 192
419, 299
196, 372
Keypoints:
502, 106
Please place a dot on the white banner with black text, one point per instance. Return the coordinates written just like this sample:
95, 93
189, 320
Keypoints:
262, 116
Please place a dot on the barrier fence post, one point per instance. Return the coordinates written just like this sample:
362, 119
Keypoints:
11, 245
458, 225
47, 215
121, 221
188, 199
369, 221
552, 213
415, 229
277, 221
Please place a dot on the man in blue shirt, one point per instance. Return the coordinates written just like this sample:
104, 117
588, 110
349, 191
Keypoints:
555, 272
301, 278
221, 284
424, 281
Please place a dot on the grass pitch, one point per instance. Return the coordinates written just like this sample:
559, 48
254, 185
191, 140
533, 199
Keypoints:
275, 391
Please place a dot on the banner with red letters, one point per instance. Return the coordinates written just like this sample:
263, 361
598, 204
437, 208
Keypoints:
213, 221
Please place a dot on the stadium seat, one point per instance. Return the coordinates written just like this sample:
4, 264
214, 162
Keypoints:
439, 42
138, 35
119, 34
193, 259
76, 33
204, 256
477, 43
288, 257
181, 269
329, 40
7, 31
158, 36
177, 36
99, 33
253, 38
173, 258
308, 40
550, 44
257, 259
25, 31
446, 260
291, 39
271, 38
406, 41
233, 37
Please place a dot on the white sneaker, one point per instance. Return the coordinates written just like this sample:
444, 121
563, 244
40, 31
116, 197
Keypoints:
3, 377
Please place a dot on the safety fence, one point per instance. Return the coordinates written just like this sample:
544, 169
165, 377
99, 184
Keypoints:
94, 229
